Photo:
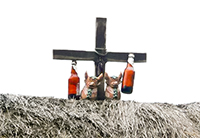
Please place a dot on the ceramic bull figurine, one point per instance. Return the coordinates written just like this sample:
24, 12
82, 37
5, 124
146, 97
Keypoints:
90, 89
112, 90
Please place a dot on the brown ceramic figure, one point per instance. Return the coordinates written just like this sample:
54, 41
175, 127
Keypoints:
112, 90
90, 89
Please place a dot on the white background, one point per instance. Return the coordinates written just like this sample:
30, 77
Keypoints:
168, 31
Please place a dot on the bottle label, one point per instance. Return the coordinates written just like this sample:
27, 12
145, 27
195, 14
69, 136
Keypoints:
128, 81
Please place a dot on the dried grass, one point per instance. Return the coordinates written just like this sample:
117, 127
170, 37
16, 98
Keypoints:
26, 116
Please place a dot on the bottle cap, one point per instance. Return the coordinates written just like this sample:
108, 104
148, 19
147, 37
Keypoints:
131, 55
74, 62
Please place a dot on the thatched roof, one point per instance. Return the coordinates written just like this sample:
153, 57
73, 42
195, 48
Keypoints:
27, 116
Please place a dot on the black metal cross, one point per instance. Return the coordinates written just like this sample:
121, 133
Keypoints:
100, 56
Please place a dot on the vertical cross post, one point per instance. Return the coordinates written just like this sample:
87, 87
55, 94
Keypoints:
101, 52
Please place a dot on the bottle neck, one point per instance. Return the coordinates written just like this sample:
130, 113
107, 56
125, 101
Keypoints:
73, 70
129, 65
130, 61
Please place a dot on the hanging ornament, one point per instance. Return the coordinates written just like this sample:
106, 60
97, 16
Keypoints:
128, 76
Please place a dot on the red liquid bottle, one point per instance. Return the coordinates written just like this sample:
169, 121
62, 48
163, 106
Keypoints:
128, 76
74, 83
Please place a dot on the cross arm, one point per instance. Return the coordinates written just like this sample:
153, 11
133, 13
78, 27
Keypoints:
122, 57
74, 55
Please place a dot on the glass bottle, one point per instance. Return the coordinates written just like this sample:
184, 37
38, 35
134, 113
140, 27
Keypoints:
128, 76
74, 83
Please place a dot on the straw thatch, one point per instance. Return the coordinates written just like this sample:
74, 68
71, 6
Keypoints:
28, 116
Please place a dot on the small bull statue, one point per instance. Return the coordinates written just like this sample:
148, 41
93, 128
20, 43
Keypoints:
90, 89
112, 90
